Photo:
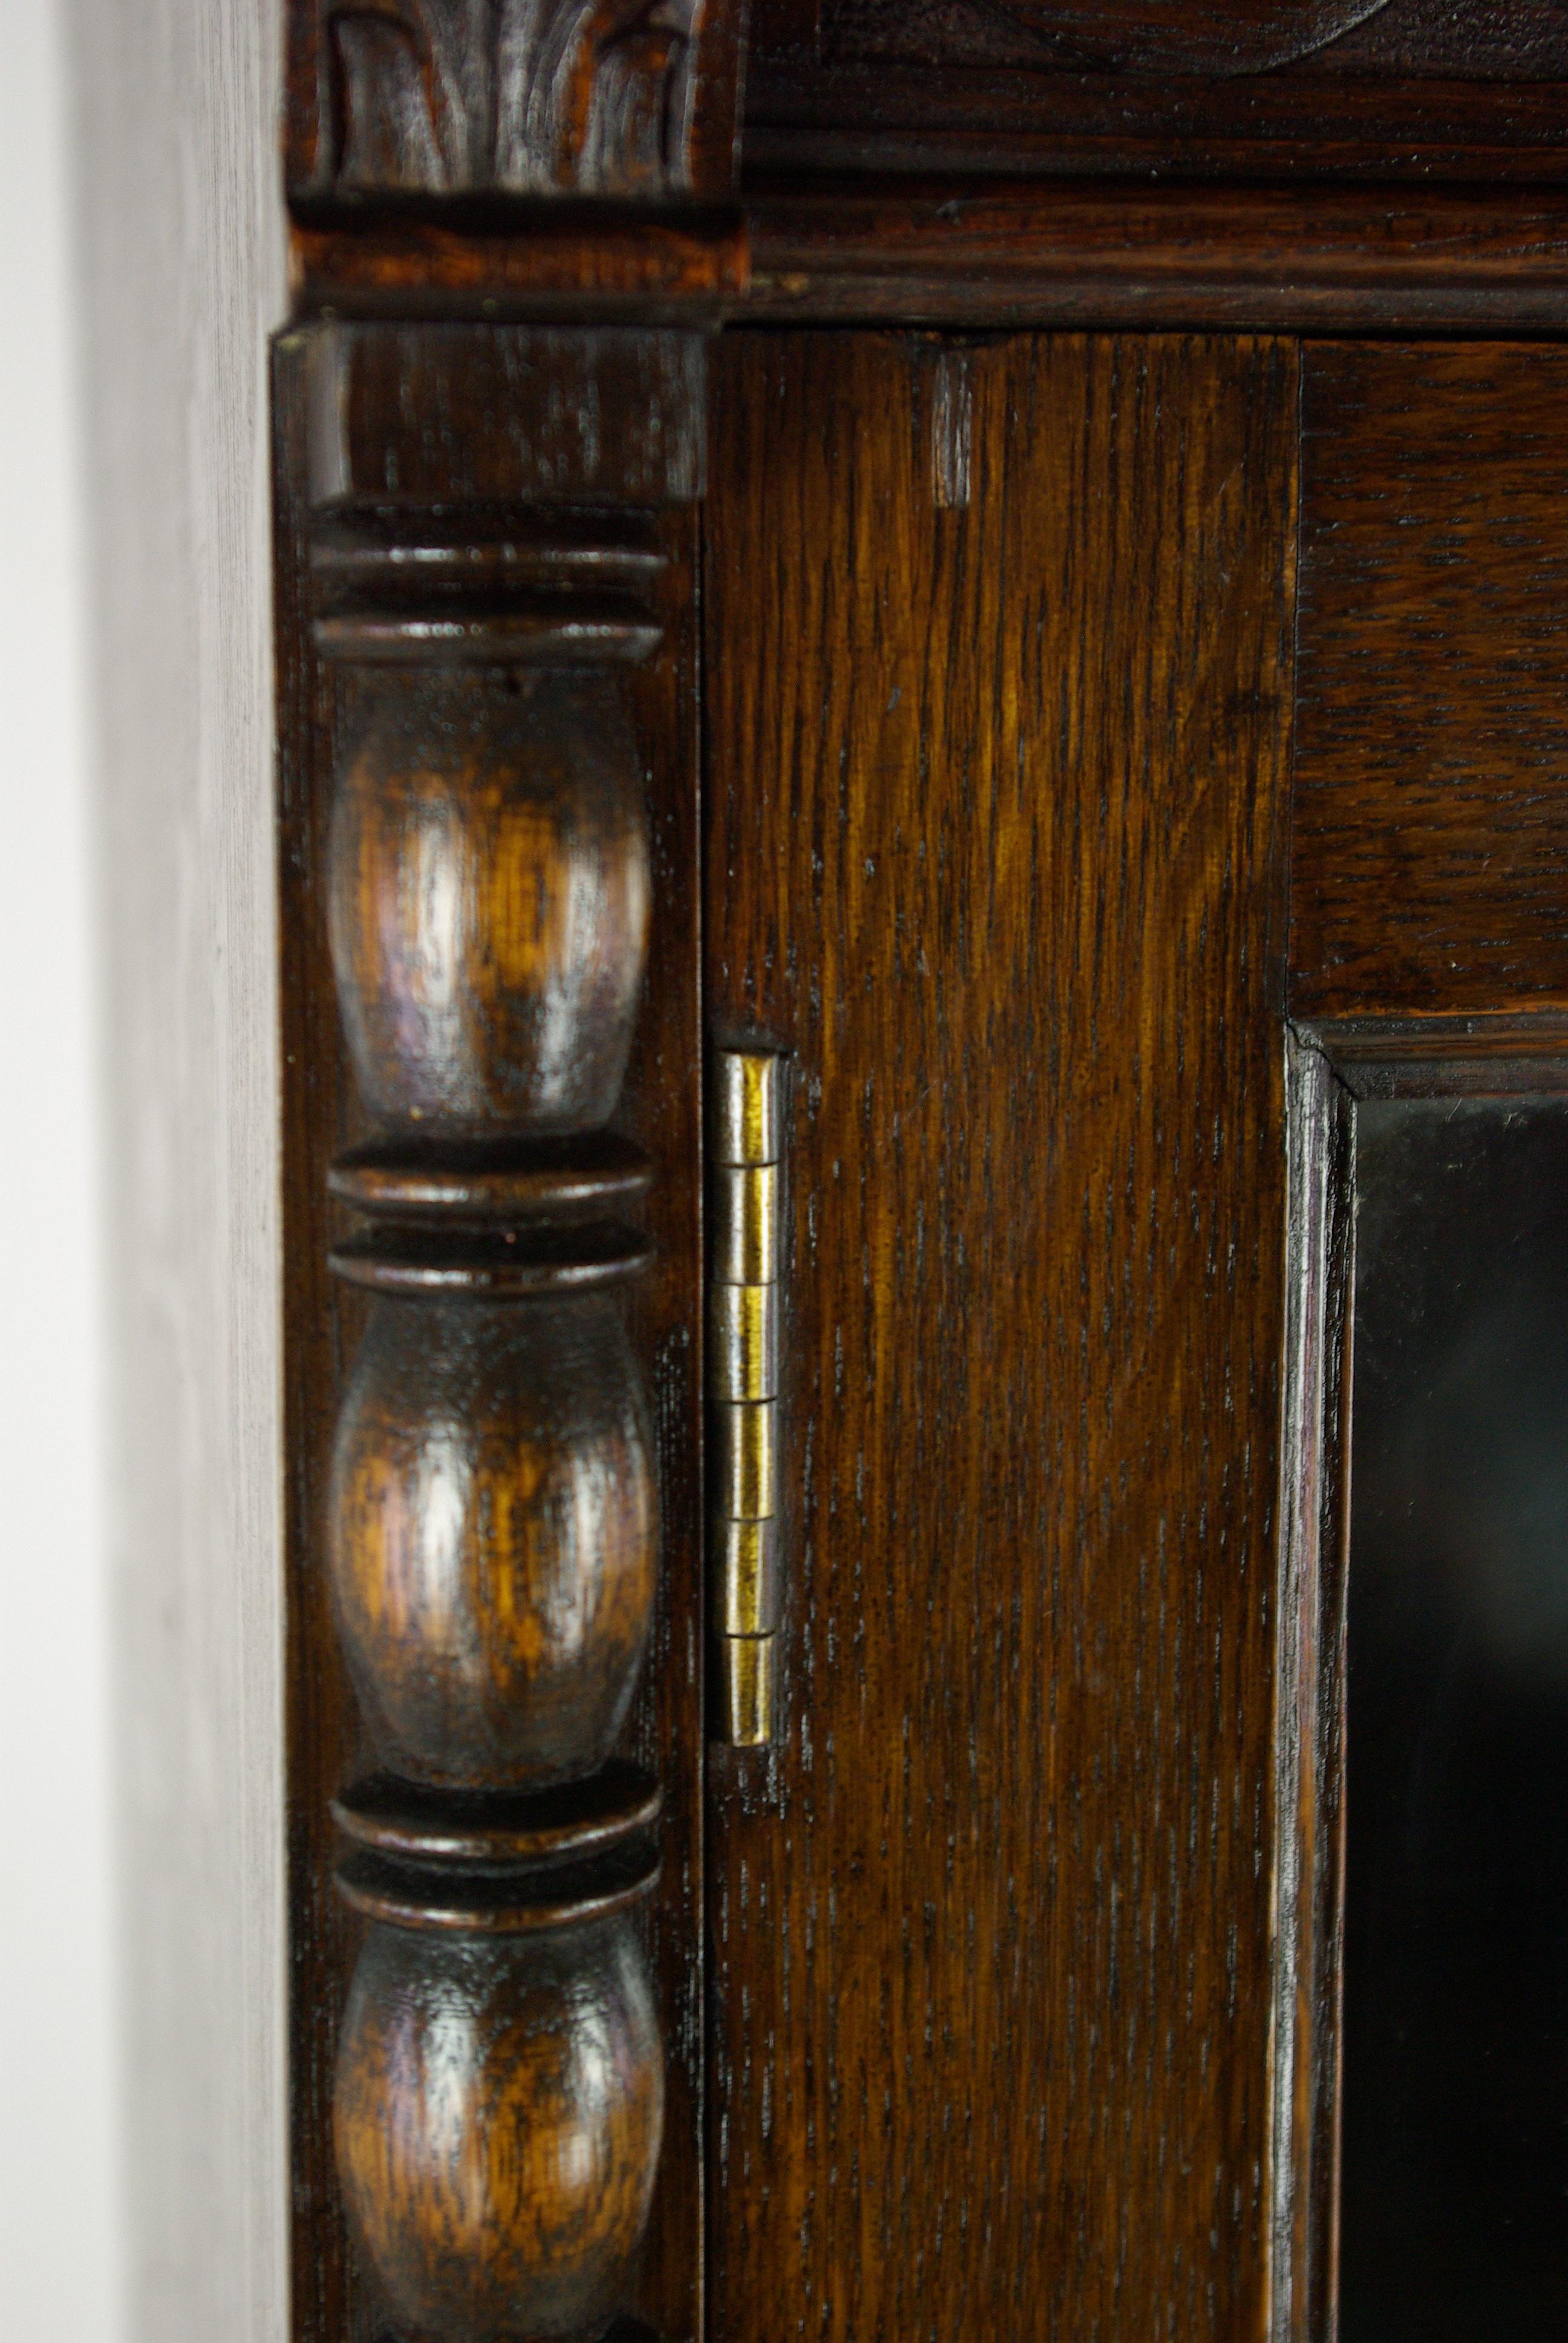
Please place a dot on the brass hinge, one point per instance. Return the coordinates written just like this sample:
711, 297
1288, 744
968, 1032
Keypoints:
743, 1345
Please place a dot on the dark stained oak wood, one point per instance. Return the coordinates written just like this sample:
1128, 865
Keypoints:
1431, 824
488, 901
576, 1820
494, 1526
1220, 38
1197, 89
384, 449
480, 1184
995, 845
540, 99
1213, 41
1017, 2010
968, 251
491, 1264
491, 1515
500, 2101
959, 247
1310, 1691
1445, 1057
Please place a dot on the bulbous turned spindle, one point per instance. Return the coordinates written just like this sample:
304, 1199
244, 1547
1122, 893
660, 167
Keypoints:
493, 1515
488, 884
500, 2096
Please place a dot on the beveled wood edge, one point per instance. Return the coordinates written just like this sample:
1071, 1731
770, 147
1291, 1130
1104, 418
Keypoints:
554, 635
991, 253
514, 1902
483, 1185
388, 1816
680, 270
1497, 1055
1332, 1066
491, 1264
1309, 1658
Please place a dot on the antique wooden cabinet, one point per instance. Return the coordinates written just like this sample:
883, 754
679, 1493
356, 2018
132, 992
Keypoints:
923, 723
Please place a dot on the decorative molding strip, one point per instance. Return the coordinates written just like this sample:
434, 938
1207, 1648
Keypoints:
965, 246
981, 253
1197, 90
693, 265
1499, 1055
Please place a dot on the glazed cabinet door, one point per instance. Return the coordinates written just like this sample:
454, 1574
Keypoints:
1133, 800
863, 911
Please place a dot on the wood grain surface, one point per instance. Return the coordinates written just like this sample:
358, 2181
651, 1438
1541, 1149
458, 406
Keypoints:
499, 2102
968, 250
489, 902
494, 1536
439, 416
1431, 824
994, 845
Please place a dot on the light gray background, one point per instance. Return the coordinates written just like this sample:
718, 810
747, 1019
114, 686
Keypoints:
141, 1967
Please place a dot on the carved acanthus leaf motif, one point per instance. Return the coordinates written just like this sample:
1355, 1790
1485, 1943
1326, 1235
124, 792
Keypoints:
590, 92
413, 86
538, 98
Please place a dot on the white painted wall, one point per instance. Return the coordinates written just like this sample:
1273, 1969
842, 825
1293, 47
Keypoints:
60, 2237
142, 2188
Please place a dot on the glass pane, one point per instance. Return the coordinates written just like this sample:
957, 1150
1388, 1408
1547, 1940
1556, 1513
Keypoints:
1455, 2109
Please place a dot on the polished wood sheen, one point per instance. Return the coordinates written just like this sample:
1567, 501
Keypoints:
489, 902
965, 248
462, 517
995, 845
494, 1536
1431, 826
499, 2103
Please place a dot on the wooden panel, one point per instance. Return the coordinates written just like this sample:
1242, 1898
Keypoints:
998, 657
1430, 825
559, 263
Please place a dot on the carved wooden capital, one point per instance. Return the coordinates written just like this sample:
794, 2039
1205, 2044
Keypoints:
614, 98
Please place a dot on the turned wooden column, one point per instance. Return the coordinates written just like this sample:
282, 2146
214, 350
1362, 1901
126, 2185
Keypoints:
492, 1517
489, 619
486, 624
